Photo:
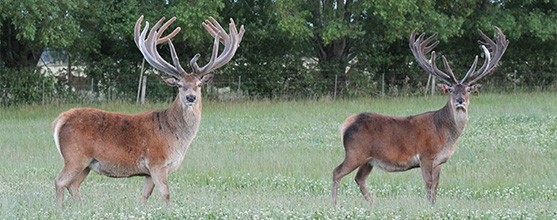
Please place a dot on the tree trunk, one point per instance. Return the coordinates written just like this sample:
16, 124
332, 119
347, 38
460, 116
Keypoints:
16, 54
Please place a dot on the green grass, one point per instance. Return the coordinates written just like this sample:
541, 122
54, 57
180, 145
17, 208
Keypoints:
274, 159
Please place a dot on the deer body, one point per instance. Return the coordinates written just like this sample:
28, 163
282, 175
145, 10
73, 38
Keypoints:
370, 133
123, 145
425, 140
150, 144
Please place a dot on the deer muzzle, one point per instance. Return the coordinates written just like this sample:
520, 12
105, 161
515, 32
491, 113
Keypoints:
190, 100
460, 103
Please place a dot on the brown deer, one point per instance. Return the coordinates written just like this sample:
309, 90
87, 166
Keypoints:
150, 144
425, 140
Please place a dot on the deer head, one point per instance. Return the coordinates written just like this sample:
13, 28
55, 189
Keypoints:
459, 90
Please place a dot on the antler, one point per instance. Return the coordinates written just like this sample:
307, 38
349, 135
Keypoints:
148, 46
493, 53
421, 47
231, 43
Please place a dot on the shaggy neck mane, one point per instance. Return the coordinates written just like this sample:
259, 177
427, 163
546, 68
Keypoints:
447, 118
181, 120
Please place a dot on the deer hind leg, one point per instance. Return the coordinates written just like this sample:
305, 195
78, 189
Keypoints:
147, 189
361, 177
350, 163
160, 180
74, 185
69, 178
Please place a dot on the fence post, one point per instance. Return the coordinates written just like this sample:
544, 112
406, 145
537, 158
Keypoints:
140, 80
432, 85
336, 83
143, 88
43, 92
239, 82
430, 82
383, 84
427, 84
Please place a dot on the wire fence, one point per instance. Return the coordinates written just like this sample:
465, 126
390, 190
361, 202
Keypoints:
228, 87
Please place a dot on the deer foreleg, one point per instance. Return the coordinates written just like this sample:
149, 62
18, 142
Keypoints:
147, 189
435, 182
430, 174
160, 179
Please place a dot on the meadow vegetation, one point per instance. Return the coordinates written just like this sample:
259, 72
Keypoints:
274, 159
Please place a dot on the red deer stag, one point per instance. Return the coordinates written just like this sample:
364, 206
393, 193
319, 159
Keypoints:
150, 144
426, 140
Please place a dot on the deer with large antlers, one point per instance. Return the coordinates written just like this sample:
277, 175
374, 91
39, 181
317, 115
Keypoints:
150, 144
425, 140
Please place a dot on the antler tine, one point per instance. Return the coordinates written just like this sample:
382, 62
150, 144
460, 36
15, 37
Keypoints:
140, 41
174, 56
147, 44
448, 68
450, 76
501, 46
212, 29
234, 39
420, 47
493, 52
472, 69
168, 38
163, 28
139, 38
193, 63
429, 48
230, 41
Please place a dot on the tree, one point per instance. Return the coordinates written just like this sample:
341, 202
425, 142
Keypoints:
332, 28
110, 54
27, 27
532, 28
268, 60
370, 33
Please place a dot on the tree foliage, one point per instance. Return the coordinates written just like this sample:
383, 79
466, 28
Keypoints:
290, 46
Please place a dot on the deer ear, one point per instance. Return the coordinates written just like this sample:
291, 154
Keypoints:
206, 78
475, 89
444, 88
171, 81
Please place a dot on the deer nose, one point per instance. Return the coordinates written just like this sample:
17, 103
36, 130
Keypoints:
460, 100
191, 98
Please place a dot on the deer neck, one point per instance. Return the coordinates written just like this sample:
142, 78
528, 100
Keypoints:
451, 121
182, 120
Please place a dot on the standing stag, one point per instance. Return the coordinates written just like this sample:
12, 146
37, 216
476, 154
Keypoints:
150, 144
426, 140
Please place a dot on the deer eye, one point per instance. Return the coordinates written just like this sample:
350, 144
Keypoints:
185, 87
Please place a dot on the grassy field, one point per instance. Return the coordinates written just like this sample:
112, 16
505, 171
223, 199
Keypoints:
274, 159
